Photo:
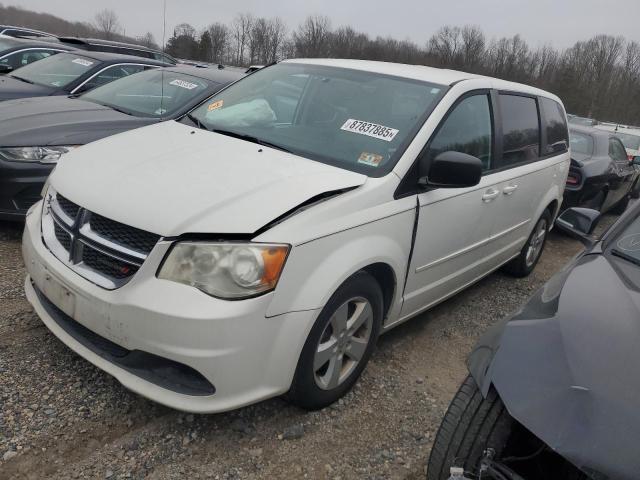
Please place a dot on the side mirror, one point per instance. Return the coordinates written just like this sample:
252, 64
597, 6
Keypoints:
636, 160
4, 69
579, 223
450, 170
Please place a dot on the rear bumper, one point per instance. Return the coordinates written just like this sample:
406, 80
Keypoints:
20, 187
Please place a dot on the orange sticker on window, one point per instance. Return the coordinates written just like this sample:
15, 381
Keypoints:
371, 159
215, 105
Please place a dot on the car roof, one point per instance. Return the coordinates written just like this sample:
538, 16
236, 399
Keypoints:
32, 42
98, 41
218, 75
594, 132
25, 29
435, 75
116, 57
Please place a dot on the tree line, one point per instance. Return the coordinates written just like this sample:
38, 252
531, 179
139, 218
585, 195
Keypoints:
598, 77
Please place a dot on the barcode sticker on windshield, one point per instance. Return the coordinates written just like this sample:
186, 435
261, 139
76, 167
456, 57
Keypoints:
82, 61
370, 129
183, 84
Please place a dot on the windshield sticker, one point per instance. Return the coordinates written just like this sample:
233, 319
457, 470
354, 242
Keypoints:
370, 129
183, 84
371, 159
215, 105
82, 61
630, 243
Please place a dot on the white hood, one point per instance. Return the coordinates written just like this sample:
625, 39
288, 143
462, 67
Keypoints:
171, 179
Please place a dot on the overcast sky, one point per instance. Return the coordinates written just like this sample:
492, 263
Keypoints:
558, 22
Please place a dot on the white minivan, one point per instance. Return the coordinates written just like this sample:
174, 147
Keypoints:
261, 244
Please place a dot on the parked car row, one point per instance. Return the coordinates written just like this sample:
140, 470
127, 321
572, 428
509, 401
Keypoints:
213, 238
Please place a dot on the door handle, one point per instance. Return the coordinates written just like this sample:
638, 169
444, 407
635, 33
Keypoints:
490, 195
509, 189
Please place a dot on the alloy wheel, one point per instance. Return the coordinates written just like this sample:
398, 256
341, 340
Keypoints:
343, 343
536, 242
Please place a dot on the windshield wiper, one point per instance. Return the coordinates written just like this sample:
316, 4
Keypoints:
22, 79
117, 109
627, 257
195, 120
251, 138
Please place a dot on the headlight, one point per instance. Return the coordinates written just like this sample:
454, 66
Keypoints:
226, 270
34, 154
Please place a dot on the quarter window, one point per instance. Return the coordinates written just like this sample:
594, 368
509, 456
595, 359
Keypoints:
617, 150
521, 129
555, 126
467, 129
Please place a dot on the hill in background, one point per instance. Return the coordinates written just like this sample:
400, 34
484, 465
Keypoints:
46, 22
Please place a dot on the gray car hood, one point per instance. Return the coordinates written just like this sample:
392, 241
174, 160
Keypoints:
60, 120
11, 88
566, 366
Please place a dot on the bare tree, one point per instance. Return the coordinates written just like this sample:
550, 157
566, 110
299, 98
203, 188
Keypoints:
219, 35
107, 23
312, 38
147, 40
241, 27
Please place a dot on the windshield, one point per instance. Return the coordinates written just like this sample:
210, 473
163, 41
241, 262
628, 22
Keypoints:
632, 142
153, 93
55, 71
581, 143
357, 120
627, 243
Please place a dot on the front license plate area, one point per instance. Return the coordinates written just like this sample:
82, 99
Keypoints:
58, 294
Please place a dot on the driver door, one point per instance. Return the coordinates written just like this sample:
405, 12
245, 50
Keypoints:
453, 245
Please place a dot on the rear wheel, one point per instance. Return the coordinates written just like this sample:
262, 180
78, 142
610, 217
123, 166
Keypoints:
526, 261
339, 344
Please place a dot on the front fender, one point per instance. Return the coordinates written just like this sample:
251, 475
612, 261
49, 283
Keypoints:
316, 269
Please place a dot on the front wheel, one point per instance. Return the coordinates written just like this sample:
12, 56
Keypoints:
526, 261
471, 425
339, 344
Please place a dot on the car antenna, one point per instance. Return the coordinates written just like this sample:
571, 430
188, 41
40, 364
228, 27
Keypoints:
164, 47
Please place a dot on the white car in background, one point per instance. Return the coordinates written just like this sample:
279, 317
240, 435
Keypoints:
261, 244
630, 137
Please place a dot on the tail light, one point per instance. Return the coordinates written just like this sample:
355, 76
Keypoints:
573, 178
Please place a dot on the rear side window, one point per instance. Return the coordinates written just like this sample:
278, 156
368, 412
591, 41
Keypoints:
555, 127
520, 128
467, 129
617, 150
581, 143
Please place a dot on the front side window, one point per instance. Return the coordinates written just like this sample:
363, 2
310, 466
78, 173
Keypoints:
555, 127
617, 151
467, 129
110, 74
57, 70
520, 128
154, 93
357, 120
25, 57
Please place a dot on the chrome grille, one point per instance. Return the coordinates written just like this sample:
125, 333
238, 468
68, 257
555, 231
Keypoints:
102, 250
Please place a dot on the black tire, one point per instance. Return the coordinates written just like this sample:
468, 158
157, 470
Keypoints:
597, 201
622, 205
471, 425
519, 267
305, 391
635, 190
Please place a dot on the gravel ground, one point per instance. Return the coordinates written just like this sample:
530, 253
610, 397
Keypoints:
60, 417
